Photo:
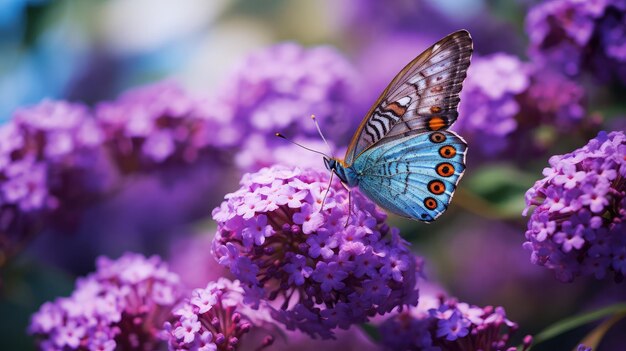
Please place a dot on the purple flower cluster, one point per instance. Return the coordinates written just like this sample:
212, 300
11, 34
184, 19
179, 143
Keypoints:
552, 99
577, 226
257, 153
575, 36
214, 318
123, 305
504, 100
276, 238
445, 324
488, 100
409, 16
161, 124
553, 106
40, 145
279, 88
43, 149
56, 131
57, 158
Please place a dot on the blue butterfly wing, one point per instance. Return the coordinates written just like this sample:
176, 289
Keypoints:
414, 176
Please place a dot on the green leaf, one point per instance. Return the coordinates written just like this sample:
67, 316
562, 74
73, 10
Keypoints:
497, 191
577, 321
488, 179
595, 336
371, 331
26, 286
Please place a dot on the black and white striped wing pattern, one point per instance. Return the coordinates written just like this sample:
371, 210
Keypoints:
423, 97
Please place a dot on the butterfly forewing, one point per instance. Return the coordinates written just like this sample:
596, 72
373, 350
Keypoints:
423, 97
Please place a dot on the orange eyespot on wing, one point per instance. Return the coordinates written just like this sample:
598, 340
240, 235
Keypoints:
437, 137
409, 177
436, 187
437, 123
445, 169
430, 203
447, 151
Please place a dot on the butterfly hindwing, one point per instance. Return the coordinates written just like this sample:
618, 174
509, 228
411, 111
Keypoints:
423, 97
413, 176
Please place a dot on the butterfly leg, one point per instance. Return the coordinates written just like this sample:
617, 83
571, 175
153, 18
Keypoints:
349, 205
330, 182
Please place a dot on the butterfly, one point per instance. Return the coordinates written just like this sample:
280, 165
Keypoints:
402, 156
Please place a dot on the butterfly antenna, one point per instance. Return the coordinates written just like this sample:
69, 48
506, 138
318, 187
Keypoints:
319, 130
300, 145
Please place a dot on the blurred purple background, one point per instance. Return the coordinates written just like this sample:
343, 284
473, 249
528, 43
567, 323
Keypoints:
177, 100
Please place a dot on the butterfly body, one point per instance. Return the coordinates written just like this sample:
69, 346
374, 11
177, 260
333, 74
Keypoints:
402, 156
346, 173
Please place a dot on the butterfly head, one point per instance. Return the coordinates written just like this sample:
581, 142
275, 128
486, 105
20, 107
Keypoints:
344, 172
330, 163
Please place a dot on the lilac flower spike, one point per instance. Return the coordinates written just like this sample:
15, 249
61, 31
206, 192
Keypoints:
576, 36
488, 101
213, 319
163, 124
445, 324
42, 144
50, 156
553, 99
283, 79
121, 306
320, 274
505, 99
278, 88
577, 226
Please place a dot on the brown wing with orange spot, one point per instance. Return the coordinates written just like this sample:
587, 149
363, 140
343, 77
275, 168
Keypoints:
423, 97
